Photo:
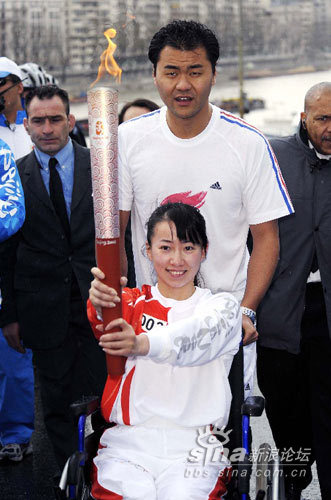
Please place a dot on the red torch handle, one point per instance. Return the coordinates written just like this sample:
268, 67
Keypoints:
108, 260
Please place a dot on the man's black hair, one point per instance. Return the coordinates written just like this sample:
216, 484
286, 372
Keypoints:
184, 35
47, 92
139, 103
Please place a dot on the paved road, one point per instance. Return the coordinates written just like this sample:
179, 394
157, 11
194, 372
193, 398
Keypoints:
32, 478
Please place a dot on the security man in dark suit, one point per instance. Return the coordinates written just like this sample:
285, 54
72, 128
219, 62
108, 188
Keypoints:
45, 268
294, 318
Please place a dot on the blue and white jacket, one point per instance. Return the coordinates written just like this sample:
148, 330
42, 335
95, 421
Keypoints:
12, 208
15, 135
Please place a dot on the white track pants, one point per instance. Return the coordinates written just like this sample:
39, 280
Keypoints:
144, 463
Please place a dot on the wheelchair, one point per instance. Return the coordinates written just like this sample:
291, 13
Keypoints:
75, 483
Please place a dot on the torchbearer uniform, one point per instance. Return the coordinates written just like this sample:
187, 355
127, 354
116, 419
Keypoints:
163, 398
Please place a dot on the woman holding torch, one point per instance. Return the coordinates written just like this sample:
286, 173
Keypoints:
179, 340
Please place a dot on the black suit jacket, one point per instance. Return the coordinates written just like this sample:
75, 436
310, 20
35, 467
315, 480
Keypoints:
38, 263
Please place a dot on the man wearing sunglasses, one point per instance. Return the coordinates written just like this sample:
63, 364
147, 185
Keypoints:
12, 111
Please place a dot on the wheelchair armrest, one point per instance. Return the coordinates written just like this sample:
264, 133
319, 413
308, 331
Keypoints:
85, 406
253, 406
97, 420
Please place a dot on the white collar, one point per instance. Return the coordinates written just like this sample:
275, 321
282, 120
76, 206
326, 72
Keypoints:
319, 155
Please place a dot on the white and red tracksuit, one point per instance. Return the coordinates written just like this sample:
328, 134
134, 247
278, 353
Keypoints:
163, 398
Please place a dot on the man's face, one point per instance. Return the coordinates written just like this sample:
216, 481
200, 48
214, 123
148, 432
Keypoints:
13, 96
317, 120
48, 125
184, 79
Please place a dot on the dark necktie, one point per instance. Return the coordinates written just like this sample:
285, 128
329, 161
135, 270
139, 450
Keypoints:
57, 197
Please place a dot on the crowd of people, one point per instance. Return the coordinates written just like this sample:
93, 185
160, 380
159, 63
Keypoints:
194, 180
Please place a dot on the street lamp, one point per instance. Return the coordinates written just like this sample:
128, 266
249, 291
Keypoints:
241, 61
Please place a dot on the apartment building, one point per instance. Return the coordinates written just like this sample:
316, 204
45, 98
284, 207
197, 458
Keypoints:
67, 35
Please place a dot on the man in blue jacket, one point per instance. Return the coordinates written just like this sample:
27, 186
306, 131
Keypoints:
16, 385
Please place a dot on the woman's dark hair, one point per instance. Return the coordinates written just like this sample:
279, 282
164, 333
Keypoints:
184, 35
139, 103
190, 224
47, 92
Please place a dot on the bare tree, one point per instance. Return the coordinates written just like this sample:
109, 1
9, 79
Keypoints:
18, 30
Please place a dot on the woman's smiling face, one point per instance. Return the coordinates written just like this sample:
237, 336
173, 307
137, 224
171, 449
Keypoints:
176, 262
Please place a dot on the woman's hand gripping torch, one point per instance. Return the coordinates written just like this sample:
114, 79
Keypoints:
103, 124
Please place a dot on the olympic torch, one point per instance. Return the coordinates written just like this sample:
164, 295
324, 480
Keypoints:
103, 124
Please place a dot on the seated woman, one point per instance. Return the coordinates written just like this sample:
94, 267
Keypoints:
179, 340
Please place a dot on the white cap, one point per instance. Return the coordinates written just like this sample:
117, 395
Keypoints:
8, 67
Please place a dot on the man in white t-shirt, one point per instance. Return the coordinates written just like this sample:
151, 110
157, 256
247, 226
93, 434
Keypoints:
191, 151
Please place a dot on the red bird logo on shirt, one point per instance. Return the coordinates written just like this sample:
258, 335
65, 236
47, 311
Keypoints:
196, 200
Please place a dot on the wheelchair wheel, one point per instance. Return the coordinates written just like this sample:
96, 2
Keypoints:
277, 485
83, 486
86, 493
262, 466
269, 475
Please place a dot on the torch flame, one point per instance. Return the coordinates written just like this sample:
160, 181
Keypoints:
107, 60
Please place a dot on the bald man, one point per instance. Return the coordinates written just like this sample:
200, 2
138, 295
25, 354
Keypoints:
294, 318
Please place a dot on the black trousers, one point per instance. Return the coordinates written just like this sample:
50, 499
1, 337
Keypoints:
74, 369
297, 389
